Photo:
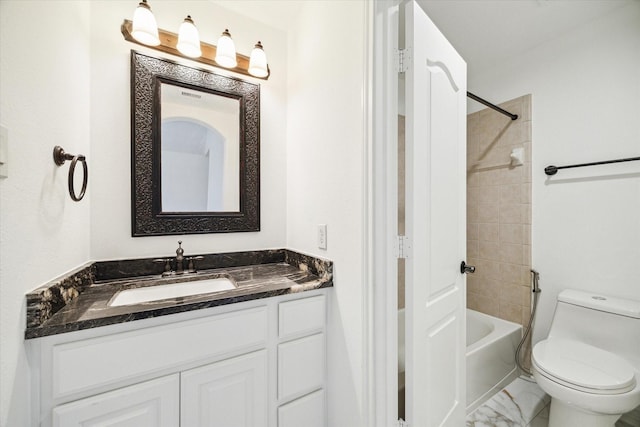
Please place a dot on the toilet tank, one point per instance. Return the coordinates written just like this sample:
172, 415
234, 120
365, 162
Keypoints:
610, 323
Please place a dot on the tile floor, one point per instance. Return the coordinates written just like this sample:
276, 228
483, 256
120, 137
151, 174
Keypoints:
523, 404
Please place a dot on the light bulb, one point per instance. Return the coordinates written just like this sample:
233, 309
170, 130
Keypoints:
189, 39
258, 62
226, 51
145, 29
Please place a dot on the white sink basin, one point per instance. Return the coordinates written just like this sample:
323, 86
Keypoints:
174, 290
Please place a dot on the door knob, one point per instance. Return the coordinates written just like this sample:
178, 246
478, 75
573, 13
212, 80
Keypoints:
467, 269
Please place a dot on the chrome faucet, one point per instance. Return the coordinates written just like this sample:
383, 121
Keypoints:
178, 262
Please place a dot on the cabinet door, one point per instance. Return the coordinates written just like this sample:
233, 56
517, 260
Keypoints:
308, 411
301, 366
149, 404
230, 393
303, 316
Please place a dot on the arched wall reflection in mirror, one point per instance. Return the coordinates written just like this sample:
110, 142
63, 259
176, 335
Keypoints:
195, 150
200, 151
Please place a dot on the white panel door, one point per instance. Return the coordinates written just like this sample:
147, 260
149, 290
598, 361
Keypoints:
150, 404
436, 215
230, 393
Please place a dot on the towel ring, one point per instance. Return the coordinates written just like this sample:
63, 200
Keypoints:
59, 157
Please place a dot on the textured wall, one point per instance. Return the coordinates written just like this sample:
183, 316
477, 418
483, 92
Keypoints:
325, 177
45, 87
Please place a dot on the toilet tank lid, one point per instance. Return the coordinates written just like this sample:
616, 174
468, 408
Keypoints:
623, 307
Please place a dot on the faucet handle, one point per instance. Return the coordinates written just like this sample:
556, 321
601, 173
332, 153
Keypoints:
166, 261
191, 260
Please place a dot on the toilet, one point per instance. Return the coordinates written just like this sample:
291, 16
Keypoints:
590, 362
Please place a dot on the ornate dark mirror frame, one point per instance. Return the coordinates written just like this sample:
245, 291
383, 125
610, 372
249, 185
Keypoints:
147, 73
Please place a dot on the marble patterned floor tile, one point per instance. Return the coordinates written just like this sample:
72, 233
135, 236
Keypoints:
542, 419
517, 405
485, 416
529, 398
521, 388
521, 404
503, 403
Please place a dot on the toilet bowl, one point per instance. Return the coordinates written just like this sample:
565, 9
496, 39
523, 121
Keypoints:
590, 362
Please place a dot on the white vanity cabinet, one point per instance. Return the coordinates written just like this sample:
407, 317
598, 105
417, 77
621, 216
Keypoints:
153, 403
229, 393
302, 362
258, 363
307, 411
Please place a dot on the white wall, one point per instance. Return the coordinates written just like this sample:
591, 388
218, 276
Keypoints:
110, 128
325, 150
185, 181
45, 96
65, 80
585, 90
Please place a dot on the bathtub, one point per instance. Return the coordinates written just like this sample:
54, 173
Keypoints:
491, 348
491, 360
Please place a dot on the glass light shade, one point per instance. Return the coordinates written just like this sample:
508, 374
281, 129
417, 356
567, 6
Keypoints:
258, 62
189, 39
226, 51
145, 29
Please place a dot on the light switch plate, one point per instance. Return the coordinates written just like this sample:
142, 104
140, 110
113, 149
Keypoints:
322, 236
4, 152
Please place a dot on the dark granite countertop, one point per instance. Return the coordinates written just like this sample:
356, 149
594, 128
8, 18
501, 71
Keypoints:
80, 299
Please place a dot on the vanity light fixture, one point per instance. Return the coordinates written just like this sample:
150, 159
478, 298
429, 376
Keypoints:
258, 61
189, 39
144, 30
226, 51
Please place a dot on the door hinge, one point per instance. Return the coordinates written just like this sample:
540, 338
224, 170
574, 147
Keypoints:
404, 58
403, 247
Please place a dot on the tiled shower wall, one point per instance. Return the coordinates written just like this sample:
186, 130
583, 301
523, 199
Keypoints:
401, 205
499, 212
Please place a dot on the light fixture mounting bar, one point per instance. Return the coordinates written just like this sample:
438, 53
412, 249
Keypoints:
169, 41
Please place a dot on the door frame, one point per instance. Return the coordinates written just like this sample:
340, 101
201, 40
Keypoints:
380, 322
380, 334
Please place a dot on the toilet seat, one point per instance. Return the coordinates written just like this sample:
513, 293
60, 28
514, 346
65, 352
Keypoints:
583, 367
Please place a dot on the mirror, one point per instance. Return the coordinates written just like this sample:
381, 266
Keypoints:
200, 151
195, 150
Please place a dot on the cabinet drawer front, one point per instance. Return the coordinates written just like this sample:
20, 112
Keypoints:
308, 411
149, 404
301, 366
97, 362
232, 392
301, 316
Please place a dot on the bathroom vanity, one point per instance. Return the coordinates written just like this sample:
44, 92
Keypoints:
254, 355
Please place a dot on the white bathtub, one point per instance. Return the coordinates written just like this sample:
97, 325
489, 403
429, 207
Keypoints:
491, 360
491, 348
